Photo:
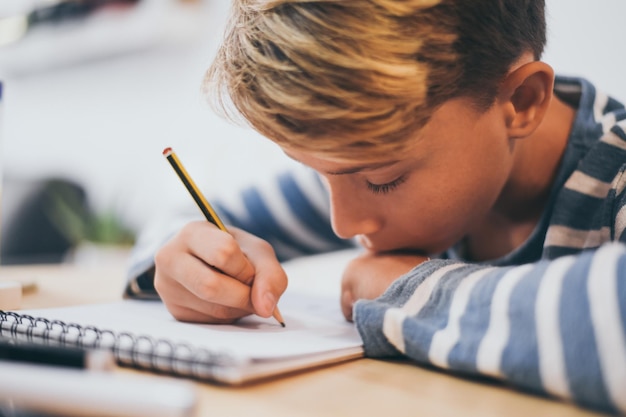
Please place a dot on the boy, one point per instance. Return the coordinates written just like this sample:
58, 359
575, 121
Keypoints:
439, 134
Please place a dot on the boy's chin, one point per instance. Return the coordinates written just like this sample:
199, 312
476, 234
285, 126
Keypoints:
379, 247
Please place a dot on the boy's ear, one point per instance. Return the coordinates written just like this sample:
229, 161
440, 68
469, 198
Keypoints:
526, 94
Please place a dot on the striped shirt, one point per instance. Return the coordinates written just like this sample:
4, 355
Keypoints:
549, 317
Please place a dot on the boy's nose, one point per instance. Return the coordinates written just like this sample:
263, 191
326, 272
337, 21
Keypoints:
351, 218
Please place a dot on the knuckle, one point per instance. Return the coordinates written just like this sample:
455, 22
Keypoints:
347, 311
261, 244
347, 303
162, 259
266, 246
159, 284
188, 230
225, 251
346, 280
206, 289
283, 282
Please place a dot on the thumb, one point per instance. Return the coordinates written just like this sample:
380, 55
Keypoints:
269, 284
270, 280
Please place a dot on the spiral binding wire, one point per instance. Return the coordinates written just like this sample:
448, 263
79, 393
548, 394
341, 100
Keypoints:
139, 351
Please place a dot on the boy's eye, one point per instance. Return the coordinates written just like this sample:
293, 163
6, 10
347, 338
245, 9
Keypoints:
387, 187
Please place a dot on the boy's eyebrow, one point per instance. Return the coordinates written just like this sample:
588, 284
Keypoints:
359, 168
354, 169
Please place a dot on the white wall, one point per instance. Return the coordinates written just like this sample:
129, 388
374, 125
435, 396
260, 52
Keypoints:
586, 38
106, 121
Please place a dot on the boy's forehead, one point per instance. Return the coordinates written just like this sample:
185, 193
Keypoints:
343, 158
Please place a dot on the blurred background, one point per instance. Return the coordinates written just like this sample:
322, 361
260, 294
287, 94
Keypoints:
95, 89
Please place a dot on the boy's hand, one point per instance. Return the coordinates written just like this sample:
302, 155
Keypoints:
206, 275
370, 274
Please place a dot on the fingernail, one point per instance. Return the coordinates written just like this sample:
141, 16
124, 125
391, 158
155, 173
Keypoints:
269, 301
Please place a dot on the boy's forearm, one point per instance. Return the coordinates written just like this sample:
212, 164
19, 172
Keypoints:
553, 326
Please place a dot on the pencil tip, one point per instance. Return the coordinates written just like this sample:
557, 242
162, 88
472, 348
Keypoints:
282, 324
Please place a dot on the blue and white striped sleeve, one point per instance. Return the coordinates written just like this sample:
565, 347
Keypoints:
554, 327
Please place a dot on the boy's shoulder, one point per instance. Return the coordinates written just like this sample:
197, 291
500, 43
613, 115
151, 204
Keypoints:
596, 154
597, 134
597, 113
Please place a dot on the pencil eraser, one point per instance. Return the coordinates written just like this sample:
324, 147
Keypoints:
10, 295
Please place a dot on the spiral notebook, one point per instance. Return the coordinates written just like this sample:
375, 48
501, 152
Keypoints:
142, 334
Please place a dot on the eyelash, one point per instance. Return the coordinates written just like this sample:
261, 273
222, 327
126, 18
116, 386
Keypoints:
386, 188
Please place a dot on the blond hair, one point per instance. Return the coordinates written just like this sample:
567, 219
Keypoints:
356, 78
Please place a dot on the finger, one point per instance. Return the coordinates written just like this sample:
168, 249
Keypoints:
199, 279
218, 249
270, 280
204, 312
182, 313
347, 303
211, 285
185, 306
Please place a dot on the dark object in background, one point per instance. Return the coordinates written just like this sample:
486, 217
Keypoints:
65, 10
44, 224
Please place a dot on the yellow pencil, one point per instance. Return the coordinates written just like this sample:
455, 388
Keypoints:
202, 203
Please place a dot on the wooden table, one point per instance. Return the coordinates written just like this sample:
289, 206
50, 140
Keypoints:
363, 387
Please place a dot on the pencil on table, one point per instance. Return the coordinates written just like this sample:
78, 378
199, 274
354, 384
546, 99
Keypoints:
202, 203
